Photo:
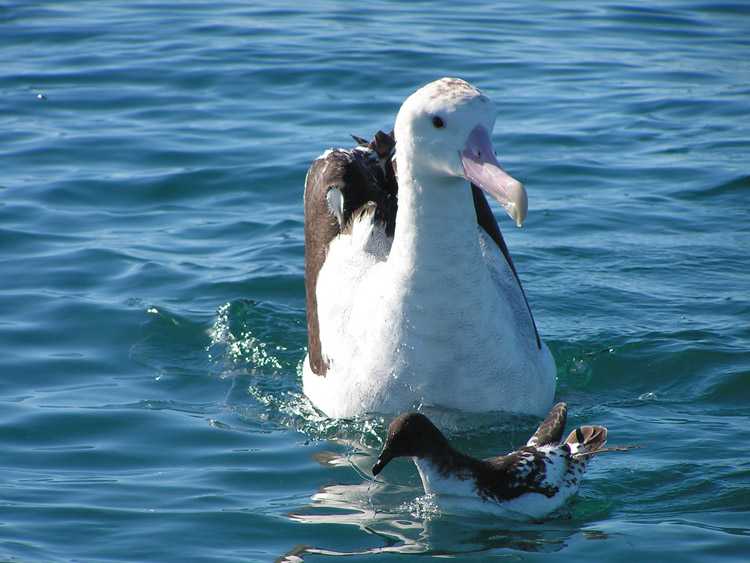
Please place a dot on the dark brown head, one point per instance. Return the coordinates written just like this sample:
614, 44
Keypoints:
410, 435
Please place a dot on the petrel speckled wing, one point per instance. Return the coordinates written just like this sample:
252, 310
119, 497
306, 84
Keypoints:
551, 430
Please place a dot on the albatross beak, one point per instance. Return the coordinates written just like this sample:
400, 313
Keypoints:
481, 168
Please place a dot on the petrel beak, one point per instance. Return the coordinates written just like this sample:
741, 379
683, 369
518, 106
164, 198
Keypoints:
482, 168
383, 460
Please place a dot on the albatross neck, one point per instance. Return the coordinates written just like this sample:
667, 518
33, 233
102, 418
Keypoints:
436, 227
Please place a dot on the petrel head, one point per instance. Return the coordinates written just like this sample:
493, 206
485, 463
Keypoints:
445, 129
410, 435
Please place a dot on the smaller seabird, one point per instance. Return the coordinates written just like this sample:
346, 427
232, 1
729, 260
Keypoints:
528, 483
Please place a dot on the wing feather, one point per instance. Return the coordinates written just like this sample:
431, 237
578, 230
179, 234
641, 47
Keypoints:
360, 177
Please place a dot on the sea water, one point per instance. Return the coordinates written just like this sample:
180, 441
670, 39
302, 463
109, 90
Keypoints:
152, 315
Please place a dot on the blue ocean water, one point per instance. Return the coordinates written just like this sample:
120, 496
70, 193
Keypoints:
152, 319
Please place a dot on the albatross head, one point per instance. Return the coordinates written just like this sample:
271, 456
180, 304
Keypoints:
445, 127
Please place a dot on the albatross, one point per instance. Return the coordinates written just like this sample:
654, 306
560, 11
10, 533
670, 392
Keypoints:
413, 299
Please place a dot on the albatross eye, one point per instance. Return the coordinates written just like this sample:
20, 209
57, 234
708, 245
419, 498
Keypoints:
438, 122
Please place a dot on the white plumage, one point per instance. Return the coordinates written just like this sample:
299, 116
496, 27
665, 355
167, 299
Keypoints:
434, 315
454, 494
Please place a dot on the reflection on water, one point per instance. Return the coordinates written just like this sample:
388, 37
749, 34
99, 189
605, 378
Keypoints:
353, 505
400, 519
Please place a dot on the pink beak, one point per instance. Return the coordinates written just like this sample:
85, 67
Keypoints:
482, 168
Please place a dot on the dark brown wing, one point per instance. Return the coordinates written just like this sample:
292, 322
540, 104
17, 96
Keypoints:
360, 176
551, 430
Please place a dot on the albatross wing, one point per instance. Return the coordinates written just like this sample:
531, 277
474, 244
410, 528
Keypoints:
340, 183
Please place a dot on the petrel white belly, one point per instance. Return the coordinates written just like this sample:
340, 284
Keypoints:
458, 492
394, 342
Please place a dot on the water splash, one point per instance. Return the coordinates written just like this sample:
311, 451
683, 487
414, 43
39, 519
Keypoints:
237, 349
234, 344
424, 508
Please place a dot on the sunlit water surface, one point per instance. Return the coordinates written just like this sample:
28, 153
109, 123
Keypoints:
151, 305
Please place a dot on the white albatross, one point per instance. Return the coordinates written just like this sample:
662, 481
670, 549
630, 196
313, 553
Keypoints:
419, 306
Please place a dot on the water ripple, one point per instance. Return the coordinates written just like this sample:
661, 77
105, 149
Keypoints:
152, 303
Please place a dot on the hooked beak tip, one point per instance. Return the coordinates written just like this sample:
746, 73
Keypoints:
518, 206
